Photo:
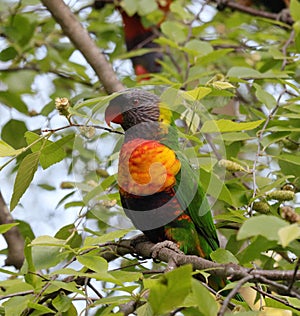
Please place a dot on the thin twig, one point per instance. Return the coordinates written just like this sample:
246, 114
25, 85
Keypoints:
232, 293
294, 276
81, 125
275, 298
259, 149
284, 48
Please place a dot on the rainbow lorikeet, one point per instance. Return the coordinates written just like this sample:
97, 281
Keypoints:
138, 36
159, 190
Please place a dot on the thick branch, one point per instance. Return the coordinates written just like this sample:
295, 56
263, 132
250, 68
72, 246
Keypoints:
13, 238
231, 270
111, 251
84, 43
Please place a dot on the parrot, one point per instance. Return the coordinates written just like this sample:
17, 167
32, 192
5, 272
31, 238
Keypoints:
159, 190
138, 36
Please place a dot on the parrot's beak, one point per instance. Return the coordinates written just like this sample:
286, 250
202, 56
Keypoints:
113, 113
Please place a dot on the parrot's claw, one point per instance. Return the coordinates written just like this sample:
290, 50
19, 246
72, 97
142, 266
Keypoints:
165, 244
284, 15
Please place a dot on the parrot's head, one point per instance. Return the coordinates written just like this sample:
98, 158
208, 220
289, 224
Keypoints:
132, 107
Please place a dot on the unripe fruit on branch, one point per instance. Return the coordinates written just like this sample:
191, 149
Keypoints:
261, 207
281, 195
231, 165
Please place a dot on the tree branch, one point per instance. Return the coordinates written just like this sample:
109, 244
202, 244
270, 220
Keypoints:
113, 250
286, 18
231, 270
81, 39
13, 238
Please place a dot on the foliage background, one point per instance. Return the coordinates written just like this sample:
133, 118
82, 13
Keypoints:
234, 67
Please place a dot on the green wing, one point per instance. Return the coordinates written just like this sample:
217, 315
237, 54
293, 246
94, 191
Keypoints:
192, 197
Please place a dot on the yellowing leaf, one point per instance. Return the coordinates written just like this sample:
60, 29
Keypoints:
223, 126
288, 234
6, 150
221, 85
196, 94
271, 311
6, 227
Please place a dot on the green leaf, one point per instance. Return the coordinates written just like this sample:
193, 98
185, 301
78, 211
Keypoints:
41, 308
265, 97
223, 256
52, 154
126, 276
16, 305
243, 72
146, 6
264, 225
170, 290
6, 227
253, 251
69, 286
294, 159
130, 6
197, 47
14, 101
62, 303
19, 82
235, 137
215, 187
21, 29
47, 187
174, 30
295, 10
203, 299
25, 174
29, 267
6, 150
222, 126
288, 234
116, 234
13, 132
8, 54
95, 263
47, 252
38, 141
222, 85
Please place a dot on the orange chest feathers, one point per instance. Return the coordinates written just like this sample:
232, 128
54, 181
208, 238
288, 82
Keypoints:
146, 167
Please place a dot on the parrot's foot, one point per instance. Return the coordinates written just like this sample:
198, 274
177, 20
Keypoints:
284, 15
165, 244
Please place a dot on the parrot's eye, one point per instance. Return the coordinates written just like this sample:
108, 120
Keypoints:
135, 102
